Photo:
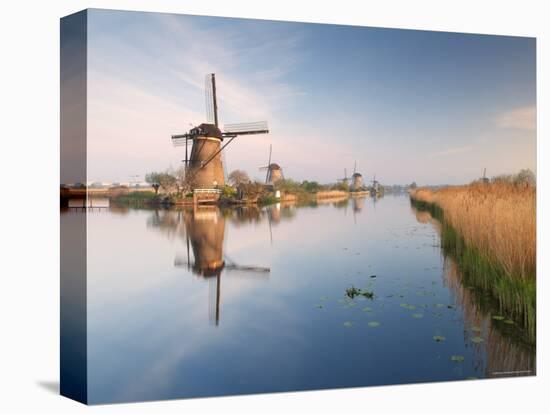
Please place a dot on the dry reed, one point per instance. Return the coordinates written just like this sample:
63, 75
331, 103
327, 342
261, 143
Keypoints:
499, 219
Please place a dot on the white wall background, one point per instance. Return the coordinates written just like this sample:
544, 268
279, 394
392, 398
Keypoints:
29, 252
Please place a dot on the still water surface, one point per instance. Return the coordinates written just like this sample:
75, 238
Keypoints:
188, 303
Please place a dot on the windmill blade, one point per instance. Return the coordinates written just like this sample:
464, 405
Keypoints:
208, 102
246, 128
248, 270
181, 140
210, 99
268, 165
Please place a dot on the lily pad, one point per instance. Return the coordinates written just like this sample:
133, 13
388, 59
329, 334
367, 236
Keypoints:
472, 378
498, 317
509, 322
457, 358
477, 339
373, 324
438, 338
367, 309
319, 306
476, 328
324, 298
439, 305
417, 315
348, 324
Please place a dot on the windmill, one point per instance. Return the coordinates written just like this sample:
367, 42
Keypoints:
485, 180
375, 189
274, 172
204, 167
345, 179
356, 179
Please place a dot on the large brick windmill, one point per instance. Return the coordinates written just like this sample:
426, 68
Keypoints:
204, 166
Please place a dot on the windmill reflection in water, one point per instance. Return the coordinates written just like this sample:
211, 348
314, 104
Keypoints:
205, 236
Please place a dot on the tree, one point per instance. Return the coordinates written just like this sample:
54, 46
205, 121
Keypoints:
238, 177
251, 190
525, 177
165, 180
413, 185
310, 186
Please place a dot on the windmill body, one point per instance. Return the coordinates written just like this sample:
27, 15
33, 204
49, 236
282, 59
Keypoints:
204, 167
205, 163
274, 173
356, 181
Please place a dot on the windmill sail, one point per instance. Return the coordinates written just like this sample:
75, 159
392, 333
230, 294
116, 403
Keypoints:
244, 128
210, 99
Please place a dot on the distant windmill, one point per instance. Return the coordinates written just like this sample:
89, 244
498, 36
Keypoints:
375, 189
204, 168
274, 172
485, 180
356, 179
345, 179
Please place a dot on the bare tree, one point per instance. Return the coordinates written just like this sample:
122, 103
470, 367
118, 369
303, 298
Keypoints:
238, 177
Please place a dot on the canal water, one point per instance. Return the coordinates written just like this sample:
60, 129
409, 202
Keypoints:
205, 302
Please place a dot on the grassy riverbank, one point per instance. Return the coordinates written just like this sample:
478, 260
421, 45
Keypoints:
491, 231
136, 199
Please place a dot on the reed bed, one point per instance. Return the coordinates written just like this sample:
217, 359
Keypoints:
491, 229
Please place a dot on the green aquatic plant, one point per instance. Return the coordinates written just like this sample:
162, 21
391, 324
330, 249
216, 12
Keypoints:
417, 315
498, 318
348, 324
353, 292
457, 358
373, 324
438, 338
477, 339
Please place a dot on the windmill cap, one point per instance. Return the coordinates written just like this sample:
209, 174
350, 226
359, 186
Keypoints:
207, 130
356, 175
274, 166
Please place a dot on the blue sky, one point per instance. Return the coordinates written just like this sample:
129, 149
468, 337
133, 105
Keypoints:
407, 105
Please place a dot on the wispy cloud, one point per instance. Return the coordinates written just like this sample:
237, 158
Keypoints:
139, 98
450, 151
520, 118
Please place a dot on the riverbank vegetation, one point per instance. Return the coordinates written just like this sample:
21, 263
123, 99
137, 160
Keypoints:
490, 228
